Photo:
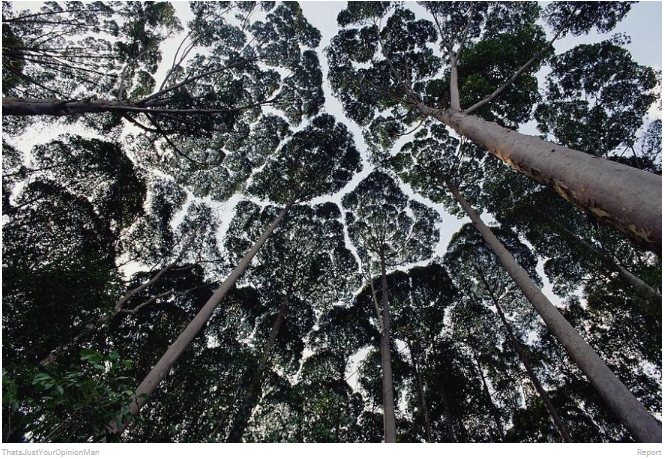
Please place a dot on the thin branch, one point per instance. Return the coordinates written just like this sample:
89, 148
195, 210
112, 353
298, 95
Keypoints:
521, 70
174, 146
465, 33
191, 79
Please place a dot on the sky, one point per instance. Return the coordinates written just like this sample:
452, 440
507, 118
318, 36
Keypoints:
643, 24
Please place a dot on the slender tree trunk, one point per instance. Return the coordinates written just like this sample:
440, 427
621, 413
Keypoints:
90, 328
613, 265
621, 196
390, 435
171, 356
495, 411
254, 392
421, 394
625, 406
454, 86
558, 423
57, 107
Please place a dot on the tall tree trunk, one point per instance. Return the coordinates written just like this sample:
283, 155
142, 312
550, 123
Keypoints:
390, 435
56, 107
621, 196
254, 392
563, 432
486, 390
420, 389
454, 86
544, 396
625, 406
173, 353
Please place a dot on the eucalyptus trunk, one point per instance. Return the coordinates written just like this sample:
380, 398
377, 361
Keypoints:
254, 393
389, 430
173, 353
59, 107
621, 196
625, 406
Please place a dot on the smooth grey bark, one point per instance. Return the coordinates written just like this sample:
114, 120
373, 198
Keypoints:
254, 392
173, 353
58, 107
625, 406
389, 430
454, 88
517, 346
12, 106
621, 196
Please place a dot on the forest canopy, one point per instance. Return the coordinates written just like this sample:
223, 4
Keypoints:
423, 222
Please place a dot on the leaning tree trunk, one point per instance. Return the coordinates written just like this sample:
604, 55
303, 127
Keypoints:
610, 263
173, 353
254, 393
558, 423
621, 196
544, 396
390, 435
493, 408
625, 406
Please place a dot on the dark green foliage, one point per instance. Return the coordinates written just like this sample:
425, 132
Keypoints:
486, 65
68, 405
317, 160
596, 97
382, 228
577, 18
58, 271
111, 245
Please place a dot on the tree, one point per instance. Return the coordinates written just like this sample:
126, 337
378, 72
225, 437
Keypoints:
596, 97
381, 61
386, 235
483, 279
204, 220
303, 267
83, 50
318, 160
632, 413
419, 304
221, 91
642, 425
